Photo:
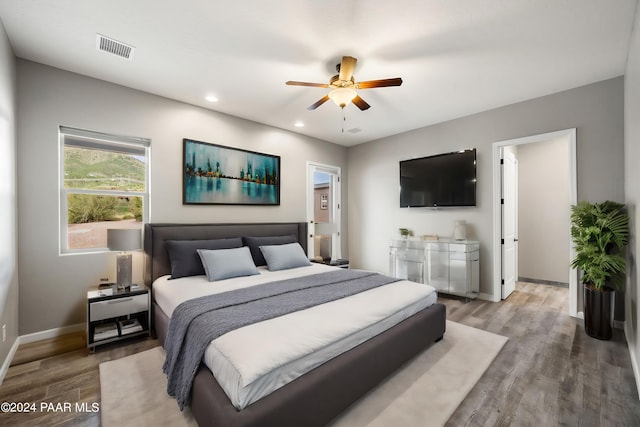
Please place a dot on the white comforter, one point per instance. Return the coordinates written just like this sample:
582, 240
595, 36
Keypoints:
255, 360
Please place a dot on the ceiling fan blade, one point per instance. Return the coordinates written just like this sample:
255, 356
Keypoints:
346, 68
379, 83
318, 103
360, 103
292, 83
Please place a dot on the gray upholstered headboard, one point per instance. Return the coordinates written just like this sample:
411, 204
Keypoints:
157, 259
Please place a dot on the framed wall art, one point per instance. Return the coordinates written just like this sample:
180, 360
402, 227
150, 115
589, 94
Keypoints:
218, 175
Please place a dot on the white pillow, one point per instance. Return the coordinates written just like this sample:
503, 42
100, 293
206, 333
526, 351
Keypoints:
283, 257
222, 264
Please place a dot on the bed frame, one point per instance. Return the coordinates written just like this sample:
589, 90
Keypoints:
317, 397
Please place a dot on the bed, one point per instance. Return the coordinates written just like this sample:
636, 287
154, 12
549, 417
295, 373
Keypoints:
317, 396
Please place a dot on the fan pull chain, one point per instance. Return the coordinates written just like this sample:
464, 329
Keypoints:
344, 119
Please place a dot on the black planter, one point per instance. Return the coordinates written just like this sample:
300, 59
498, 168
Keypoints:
598, 312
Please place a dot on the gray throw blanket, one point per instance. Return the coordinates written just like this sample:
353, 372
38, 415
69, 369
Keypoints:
195, 323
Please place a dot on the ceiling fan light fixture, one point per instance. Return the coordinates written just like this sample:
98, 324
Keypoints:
342, 96
344, 86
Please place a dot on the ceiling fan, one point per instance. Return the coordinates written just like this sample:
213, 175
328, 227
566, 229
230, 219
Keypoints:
344, 86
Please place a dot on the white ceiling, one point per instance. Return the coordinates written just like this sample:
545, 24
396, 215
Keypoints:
456, 57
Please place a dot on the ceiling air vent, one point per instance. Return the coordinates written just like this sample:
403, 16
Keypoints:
354, 130
106, 44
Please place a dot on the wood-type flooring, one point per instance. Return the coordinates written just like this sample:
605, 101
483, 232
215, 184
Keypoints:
549, 372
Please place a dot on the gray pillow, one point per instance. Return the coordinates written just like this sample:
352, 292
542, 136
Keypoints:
226, 263
254, 244
283, 257
184, 258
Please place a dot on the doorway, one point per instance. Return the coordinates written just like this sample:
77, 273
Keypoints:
502, 262
323, 212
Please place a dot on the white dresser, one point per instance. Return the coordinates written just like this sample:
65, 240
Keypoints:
450, 266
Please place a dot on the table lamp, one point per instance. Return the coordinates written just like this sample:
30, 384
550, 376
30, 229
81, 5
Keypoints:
325, 229
123, 240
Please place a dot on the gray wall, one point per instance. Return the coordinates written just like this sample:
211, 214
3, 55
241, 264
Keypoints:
8, 202
543, 210
632, 193
595, 110
53, 287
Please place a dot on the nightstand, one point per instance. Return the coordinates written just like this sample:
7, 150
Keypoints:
114, 315
342, 263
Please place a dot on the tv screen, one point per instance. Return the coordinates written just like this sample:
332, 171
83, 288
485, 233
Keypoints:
444, 180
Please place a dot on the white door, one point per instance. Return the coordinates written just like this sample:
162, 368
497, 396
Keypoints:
509, 223
323, 212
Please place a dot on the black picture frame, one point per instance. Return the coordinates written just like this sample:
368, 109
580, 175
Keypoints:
215, 174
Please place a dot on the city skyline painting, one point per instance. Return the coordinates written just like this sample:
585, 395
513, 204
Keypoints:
216, 174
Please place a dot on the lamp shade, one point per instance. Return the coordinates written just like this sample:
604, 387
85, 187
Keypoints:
342, 96
119, 239
325, 228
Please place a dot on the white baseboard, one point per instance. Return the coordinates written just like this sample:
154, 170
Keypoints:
633, 356
7, 362
51, 333
37, 336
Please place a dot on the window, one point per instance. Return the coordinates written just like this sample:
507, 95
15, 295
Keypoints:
324, 201
103, 184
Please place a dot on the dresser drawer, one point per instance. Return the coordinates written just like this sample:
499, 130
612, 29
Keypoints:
118, 307
464, 247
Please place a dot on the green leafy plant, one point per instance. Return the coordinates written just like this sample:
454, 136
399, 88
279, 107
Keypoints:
404, 232
85, 208
599, 232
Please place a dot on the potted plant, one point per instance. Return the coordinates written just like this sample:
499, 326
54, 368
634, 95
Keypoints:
599, 232
404, 232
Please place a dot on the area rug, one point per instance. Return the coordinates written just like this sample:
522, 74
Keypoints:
424, 392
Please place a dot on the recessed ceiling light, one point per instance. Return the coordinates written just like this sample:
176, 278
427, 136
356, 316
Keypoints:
299, 124
211, 98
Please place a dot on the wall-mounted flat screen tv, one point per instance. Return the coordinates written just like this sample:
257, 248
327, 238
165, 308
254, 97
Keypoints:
443, 180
